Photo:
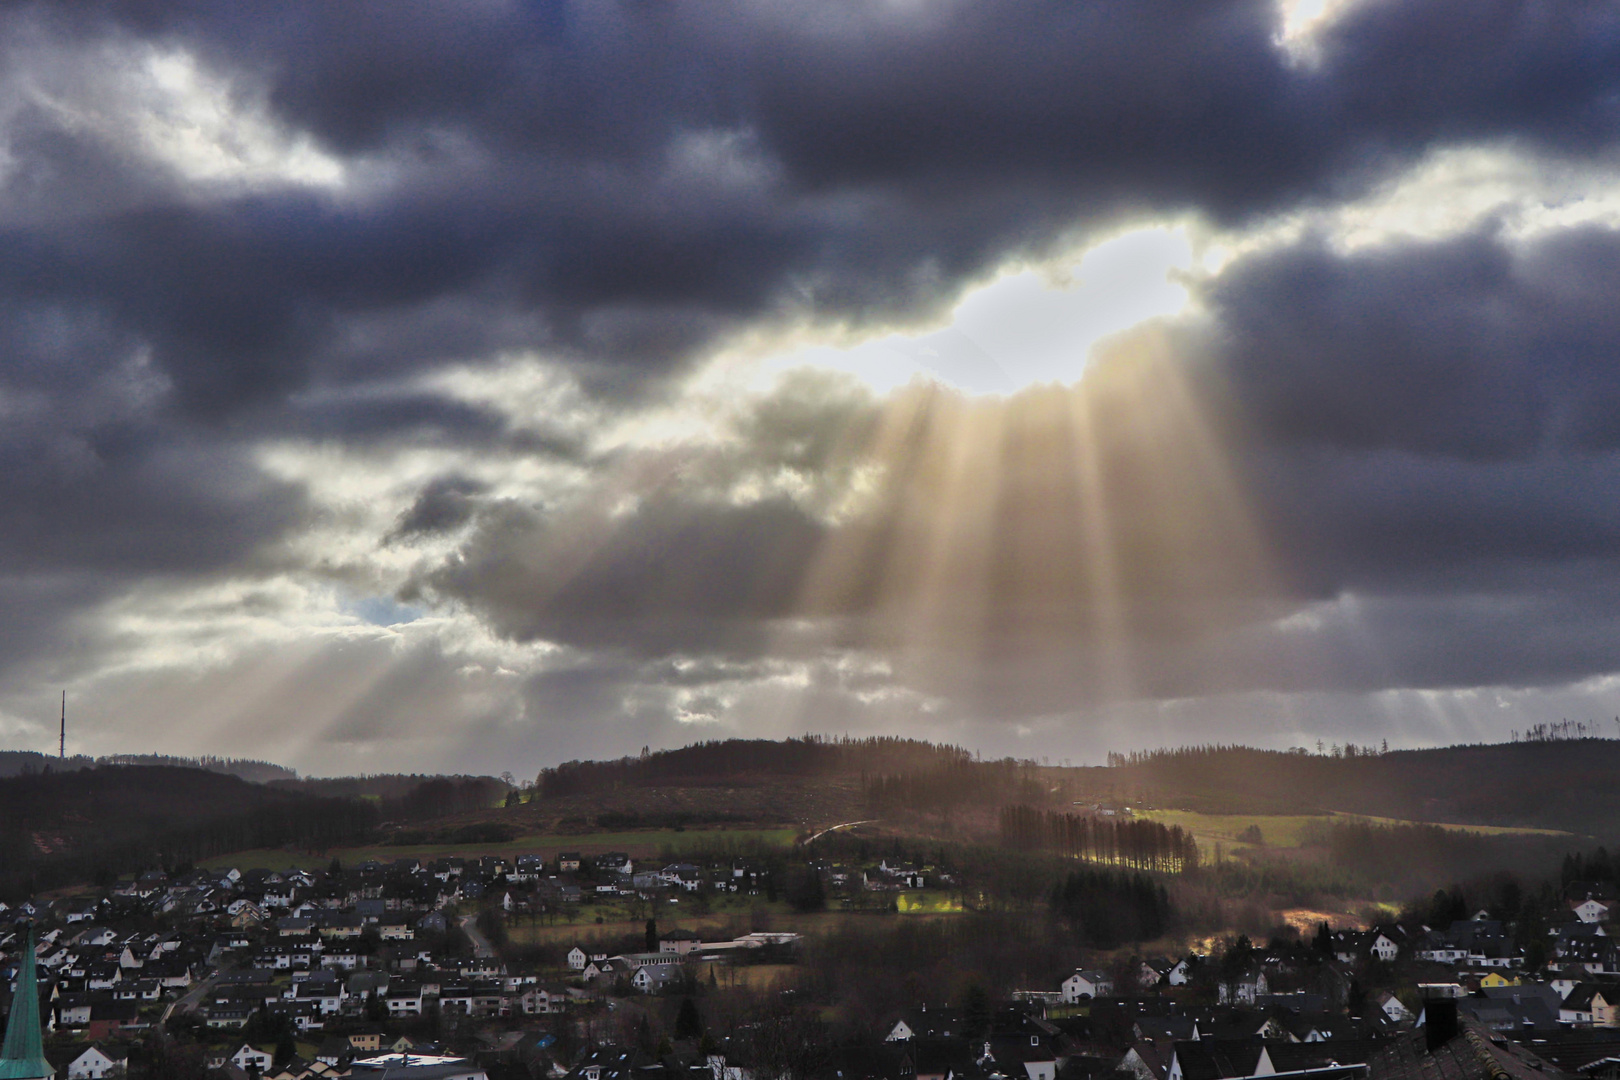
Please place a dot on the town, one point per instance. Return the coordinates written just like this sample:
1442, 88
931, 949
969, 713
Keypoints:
407, 969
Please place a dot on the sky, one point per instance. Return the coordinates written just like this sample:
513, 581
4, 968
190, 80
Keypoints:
478, 386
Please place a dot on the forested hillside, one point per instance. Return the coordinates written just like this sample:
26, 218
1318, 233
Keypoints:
1550, 784
732, 759
1558, 784
93, 824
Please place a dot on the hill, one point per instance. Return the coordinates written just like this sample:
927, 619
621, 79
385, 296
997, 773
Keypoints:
92, 824
1560, 784
23, 762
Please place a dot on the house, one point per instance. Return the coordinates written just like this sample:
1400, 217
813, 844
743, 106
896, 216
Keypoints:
1591, 911
1606, 1007
232, 1015
1083, 985
247, 1057
537, 1002
73, 1010
1021, 1048
1384, 946
366, 1042
1514, 1008
1230, 1059
1159, 1028
1576, 1009
683, 875
99, 1061
1381, 943
1391, 1006
333, 1051
650, 979
1146, 1060
679, 942
404, 1001
1219, 1059
326, 996
577, 958
103, 976
108, 1018
568, 862
615, 861
341, 927
1243, 988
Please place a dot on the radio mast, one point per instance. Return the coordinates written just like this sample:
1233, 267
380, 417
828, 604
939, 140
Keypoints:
61, 741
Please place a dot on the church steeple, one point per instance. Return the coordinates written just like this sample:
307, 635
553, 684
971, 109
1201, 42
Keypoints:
23, 1055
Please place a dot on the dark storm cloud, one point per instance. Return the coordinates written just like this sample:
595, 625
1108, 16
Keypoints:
1471, 348
617, 187
671, 575
446, 503
1431, 405
1413, 425
882, 155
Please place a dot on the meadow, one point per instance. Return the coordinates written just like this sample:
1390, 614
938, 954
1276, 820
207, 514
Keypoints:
1292, 830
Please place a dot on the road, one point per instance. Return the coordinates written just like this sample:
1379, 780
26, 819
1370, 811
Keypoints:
481, 946
835, 828
187, 1003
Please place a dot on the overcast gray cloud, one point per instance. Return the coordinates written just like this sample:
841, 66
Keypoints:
410, 355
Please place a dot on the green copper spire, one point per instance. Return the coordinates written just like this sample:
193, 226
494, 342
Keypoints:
23, 1056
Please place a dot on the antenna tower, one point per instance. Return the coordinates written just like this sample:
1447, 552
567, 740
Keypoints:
61, 740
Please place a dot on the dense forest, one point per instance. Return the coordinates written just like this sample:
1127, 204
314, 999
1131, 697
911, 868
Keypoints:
1138, 844
94, 824
1106, 909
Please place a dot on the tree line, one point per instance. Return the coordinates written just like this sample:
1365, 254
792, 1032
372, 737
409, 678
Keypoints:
1136, 843
97, 824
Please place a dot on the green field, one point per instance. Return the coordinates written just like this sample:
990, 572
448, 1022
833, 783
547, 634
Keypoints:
644, 844
1286, 830
928, 903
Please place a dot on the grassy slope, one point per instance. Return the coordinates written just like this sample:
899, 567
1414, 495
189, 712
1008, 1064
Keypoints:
1286, 830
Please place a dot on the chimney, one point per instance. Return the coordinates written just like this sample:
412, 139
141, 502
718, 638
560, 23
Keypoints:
1440, 1022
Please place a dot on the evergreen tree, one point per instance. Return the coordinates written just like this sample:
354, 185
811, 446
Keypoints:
688, 1024
976, 1013
286, 1050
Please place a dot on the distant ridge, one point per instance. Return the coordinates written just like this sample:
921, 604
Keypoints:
1562, 783
25, 762
249, 769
